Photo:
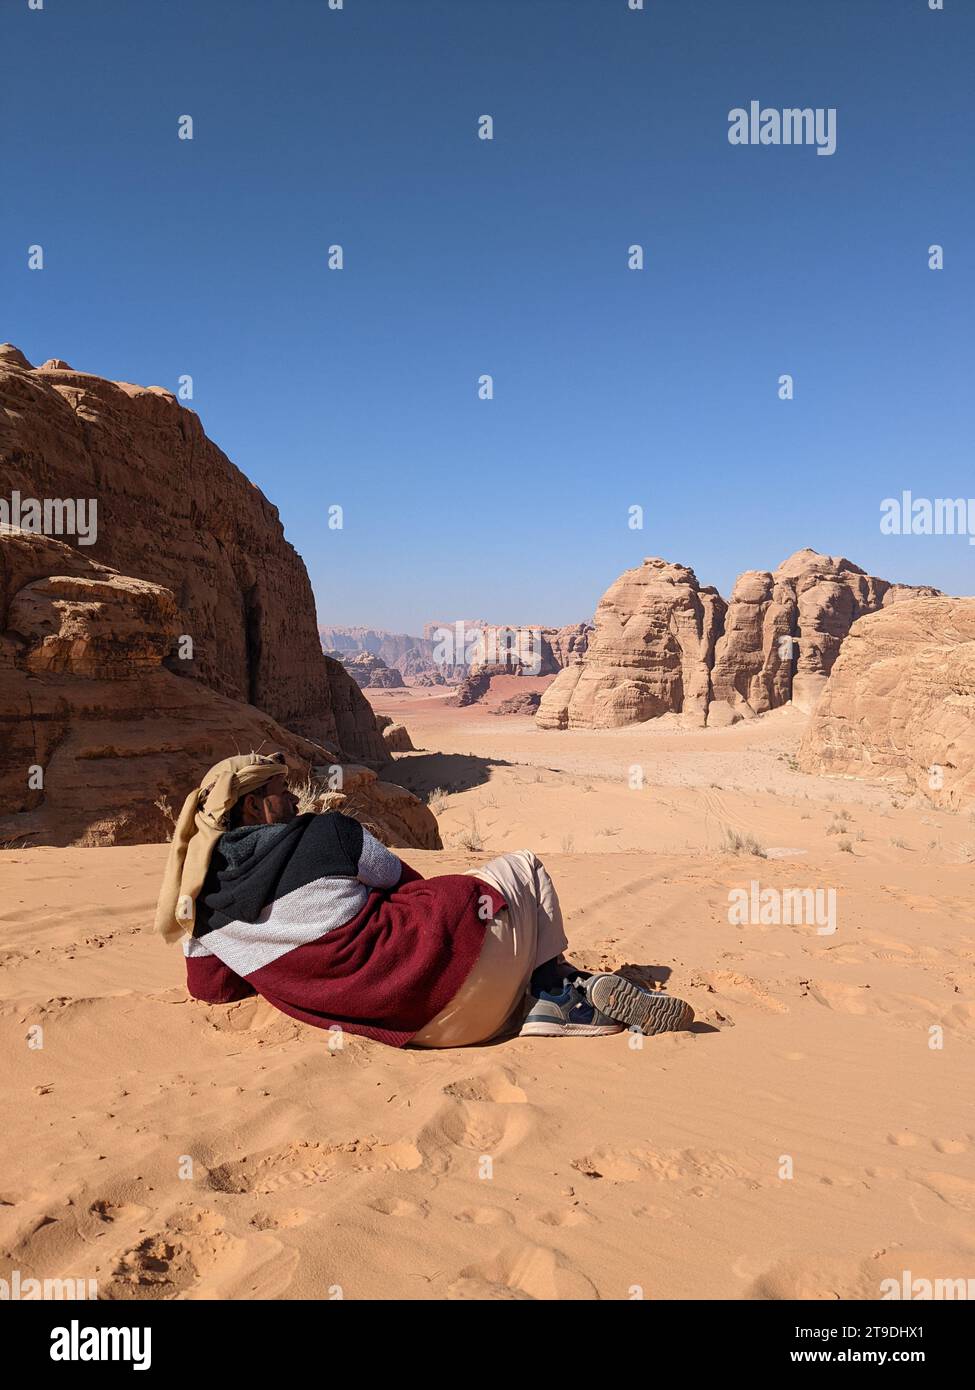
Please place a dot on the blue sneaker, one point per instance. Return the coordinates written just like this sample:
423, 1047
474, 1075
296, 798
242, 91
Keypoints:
568, 1014
641, 1010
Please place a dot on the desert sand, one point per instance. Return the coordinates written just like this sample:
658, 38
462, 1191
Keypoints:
174, 1149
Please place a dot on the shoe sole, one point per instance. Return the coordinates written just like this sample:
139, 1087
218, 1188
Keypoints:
638, 1008
568, 1030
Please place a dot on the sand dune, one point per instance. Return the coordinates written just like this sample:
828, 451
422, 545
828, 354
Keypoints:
172, 1149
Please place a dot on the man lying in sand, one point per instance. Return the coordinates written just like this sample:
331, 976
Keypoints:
316, 915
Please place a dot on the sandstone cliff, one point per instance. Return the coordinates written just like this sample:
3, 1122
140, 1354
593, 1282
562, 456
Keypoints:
99, 742
900, 702
783, 631
173, 510
662, 644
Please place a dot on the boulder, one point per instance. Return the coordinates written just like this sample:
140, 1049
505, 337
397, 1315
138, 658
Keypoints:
369, 671
900, 701
474, 687
526, 703
393, 814
397, 739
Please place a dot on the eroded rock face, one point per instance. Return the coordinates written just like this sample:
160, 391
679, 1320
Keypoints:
369, 671
783, 631
474, 687
174, 511
389, 811
99, 741
900, 701
526, 703
397, 738
650, 653
567, 645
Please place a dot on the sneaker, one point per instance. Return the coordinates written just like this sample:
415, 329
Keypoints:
568, 1014
636, 1008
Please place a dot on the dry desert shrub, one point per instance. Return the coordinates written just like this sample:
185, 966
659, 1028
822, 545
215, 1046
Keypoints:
310, 794
162, 805
437, 800
737, 842
471, 837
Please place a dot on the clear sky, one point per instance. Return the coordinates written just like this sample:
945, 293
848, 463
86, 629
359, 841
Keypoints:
464, 256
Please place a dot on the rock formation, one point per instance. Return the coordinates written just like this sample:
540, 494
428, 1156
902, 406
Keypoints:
526, 703
420, 660
397, 739
566, 645
650, 653
475, 686
783, 631
174, 511
99, 741
411, 656
369, 671
664, 645
900, 701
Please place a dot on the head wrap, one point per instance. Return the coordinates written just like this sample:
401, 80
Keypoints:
202, 821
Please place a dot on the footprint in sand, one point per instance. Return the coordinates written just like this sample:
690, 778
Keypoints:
522, 1272
949, 1146
399, 1206
496, 1084
256, 1018
485, 1216
480, 1127
740, 989
676, 1165
169, 1262
568, 1216
903, 1139
954, 1190
280, 1220
857, 1277
304, 1164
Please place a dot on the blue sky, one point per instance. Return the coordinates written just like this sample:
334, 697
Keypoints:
462, 257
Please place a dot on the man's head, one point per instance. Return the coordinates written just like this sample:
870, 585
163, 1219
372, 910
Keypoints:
271, 804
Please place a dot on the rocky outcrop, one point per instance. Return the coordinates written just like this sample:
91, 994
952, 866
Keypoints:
900, 701
650, 653
783, 631
422, 660
566, 645
99, 741
525, 703
474, 687
389, 811
174, 511
662, 644
397, 739
370, 671
412, 657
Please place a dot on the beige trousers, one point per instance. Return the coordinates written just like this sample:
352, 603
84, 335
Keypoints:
527, 933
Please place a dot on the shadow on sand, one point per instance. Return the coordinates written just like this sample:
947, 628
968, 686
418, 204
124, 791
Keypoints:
421, 773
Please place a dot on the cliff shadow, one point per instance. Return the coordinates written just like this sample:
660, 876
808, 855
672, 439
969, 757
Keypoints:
421, 773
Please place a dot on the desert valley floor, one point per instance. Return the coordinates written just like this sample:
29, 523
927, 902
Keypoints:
613, 1169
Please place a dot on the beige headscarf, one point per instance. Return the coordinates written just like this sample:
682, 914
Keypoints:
201, 823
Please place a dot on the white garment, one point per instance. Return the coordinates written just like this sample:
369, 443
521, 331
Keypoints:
526, 934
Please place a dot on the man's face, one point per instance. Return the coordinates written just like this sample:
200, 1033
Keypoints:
272, 804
